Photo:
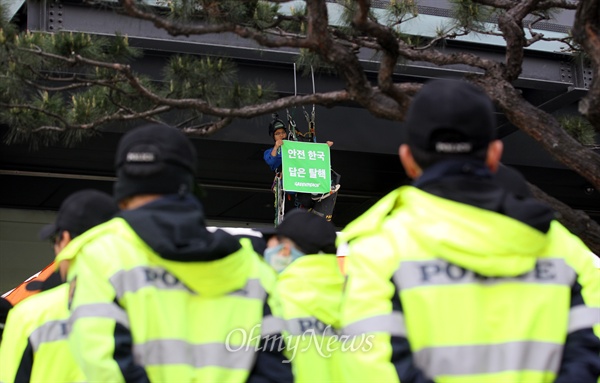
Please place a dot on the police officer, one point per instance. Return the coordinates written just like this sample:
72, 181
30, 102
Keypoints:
308, 294
458, 279
35, 345
158, 297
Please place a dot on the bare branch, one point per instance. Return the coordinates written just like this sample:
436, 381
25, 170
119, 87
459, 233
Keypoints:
448, 36
55, 88
48, 128
208, 128
535, 36
389, 45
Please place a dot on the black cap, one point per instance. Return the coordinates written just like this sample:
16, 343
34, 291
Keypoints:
154, 159
309, 231
450, 117
81, 211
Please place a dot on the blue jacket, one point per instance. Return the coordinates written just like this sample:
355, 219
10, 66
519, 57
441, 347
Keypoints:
273, 162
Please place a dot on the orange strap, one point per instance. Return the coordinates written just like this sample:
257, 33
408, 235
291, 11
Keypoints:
20, 292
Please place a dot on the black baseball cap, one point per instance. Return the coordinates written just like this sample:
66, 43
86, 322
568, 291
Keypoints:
312, 233
81, 211
154, 159
450, 117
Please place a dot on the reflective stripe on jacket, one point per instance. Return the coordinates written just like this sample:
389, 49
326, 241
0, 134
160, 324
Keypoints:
308, 297
125, 292
478, 296
34, 347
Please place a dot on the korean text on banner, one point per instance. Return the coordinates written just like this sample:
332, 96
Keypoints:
306, 167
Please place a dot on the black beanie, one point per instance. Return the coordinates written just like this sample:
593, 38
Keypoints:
275, 125
154, 159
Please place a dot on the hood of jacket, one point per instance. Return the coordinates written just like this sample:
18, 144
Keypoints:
314, 284
486, 241
174, 227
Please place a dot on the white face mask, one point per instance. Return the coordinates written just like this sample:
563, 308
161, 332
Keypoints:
279, 261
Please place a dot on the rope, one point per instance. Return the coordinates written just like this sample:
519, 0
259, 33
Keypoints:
311, 134
292, 131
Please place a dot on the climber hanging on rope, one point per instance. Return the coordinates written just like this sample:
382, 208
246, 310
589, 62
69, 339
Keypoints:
287, 200
272, 156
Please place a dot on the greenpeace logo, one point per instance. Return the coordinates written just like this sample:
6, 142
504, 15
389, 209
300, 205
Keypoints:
307, 184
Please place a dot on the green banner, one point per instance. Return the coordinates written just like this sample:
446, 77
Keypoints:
306, 167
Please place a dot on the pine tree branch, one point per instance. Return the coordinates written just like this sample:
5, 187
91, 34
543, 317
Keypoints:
318, 40
388, 43
117, 116
47, 128
586, 32
544, 128
511, 25
177, 29
338, 55
133, 112
437, 57
55, 88
500, 4
436, 40
204, 107
39, 110
207, 128
541, 6
549, 4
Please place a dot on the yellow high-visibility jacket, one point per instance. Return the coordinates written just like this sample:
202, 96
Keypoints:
137, 316
307, 297
34, 347
452, 293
